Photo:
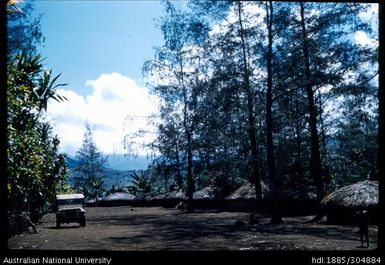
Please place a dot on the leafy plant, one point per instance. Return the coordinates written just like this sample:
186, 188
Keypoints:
140, 183
36, 169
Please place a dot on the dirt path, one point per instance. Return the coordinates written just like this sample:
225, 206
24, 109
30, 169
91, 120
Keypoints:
126, 228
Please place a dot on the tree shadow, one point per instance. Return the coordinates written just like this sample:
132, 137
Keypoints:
64, 227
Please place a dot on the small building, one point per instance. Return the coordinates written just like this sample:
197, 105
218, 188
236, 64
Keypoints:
205, 198
244, 198
117, 199
168, 200
342, 205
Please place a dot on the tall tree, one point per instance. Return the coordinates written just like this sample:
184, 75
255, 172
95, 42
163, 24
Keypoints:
177, 57
90, 168
315, 160
263, 95
275, 218
250, 106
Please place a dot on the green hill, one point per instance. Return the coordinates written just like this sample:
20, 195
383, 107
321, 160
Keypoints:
110, 176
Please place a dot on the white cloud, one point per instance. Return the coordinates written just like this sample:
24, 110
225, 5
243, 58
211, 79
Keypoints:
362, 38
112, 99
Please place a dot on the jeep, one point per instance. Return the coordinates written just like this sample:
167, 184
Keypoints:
70, 209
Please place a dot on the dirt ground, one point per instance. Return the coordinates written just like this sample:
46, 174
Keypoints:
127, 228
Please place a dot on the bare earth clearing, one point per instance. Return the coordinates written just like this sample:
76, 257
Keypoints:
130, 229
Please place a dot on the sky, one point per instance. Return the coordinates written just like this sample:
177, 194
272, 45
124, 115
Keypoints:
99, 48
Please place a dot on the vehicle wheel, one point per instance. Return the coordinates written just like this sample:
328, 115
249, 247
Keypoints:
83, 222
57, 223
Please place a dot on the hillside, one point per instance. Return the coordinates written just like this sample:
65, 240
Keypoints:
111, 176
122, 162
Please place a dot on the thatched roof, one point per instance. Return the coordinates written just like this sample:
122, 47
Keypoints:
176, 194
247, 191
206, 193
303, 192
142, 197
360, 194
119, 196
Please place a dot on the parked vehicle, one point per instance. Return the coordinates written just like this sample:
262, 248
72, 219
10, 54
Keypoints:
70, 209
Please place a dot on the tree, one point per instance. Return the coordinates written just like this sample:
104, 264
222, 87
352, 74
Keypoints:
275, 218
315, 160
233, 74
176, 65
257, 91
24, 30
250, 106
90, 168
36, 170
141, 184
322, 69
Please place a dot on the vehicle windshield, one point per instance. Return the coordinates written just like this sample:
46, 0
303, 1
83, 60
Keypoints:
70, 202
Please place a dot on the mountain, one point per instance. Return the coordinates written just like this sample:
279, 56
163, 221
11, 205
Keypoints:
72, 163
111, 176
122, 162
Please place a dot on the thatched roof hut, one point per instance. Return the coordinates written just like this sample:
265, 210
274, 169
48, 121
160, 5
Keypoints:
207, 193
244, 198
342, 205
247, 192
362, 194
119, 196
176, 194
117, 199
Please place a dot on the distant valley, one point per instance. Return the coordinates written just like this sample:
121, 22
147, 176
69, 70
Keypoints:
118, 169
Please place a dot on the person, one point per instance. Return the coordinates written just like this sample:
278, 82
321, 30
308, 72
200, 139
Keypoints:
363, 221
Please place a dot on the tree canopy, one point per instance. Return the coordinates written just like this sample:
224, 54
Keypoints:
265, 91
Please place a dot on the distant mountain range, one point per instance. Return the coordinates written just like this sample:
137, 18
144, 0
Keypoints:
122, 162
115, 172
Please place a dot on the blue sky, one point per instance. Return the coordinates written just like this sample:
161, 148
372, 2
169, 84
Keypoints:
99, 47
86, 38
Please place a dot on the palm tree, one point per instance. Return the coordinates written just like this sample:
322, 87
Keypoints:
141, 183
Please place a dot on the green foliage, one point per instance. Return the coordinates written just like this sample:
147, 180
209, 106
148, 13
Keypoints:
212, 87
24, 30
36, 169
140, 184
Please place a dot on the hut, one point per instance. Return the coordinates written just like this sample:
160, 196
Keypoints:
207, 193
205, 198
91, 202
244, 198
247, 191
117, 199
342, 205
169, 199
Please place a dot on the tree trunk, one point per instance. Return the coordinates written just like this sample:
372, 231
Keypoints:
250, 107
190, 180
315, 160
178, 174
297, 165
323, 136
275, 217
